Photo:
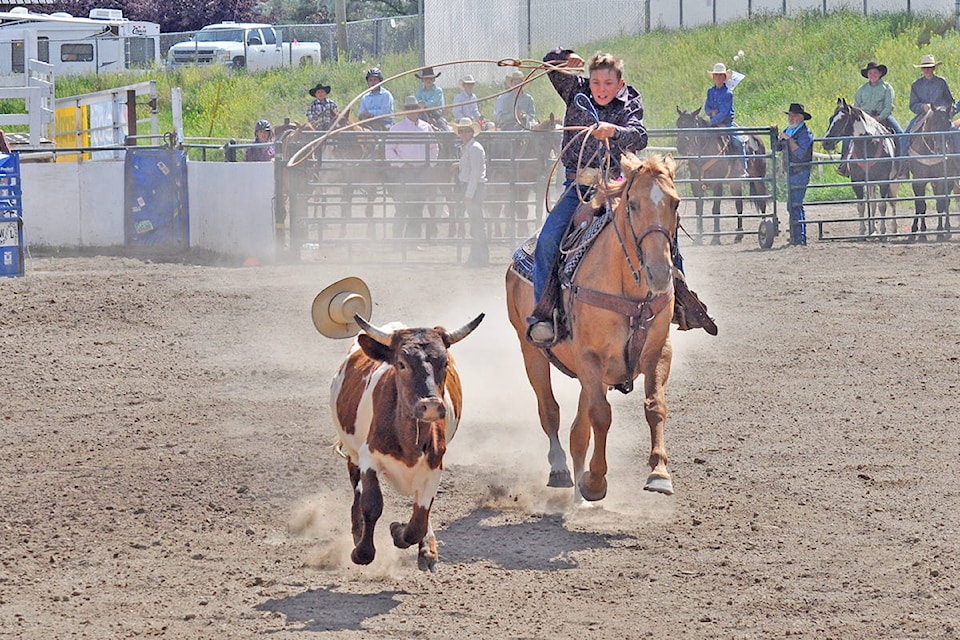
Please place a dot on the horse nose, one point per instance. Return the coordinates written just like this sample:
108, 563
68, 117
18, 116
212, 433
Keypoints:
429, 409
658, 276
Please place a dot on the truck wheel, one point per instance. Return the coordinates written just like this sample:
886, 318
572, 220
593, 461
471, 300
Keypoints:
239, 62
306, 61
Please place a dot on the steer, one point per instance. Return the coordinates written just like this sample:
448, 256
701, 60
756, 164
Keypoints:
396, 403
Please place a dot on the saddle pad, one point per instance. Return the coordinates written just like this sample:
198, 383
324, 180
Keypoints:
523, 258
582, 239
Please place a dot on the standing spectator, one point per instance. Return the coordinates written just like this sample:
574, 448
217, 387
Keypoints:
503, 111
264, 150
797, 142
471, 177
719, 108
377, 102
461, 102
411, 161
323, 111
430, 97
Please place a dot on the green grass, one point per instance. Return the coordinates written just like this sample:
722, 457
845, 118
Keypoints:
808, 58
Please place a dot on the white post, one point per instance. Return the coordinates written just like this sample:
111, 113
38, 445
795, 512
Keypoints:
176, 105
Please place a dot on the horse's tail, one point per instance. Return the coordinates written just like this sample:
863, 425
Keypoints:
757, 168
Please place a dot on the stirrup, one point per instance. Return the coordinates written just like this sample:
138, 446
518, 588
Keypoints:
542, 332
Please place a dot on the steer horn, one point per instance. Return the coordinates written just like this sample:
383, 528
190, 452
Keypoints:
454, 337
381, 336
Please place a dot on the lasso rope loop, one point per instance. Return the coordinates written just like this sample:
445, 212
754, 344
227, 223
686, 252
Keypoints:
584, 104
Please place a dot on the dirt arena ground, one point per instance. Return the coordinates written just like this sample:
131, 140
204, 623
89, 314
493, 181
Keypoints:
167, 470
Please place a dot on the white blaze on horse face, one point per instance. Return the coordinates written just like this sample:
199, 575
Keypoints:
656, 194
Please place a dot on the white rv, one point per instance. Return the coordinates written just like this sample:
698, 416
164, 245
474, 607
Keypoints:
105, 42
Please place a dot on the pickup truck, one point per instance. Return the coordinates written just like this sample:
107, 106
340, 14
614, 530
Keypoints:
243, 45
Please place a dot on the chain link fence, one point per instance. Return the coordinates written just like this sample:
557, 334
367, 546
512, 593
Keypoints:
365, 38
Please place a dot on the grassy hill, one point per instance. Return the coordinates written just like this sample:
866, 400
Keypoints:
809, 58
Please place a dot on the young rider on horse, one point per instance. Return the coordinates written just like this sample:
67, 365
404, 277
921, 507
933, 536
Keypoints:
719, 108
614, 112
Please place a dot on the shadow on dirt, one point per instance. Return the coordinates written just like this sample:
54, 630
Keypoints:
328, 610
541, 543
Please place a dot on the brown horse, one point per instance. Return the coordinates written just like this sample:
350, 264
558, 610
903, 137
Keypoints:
619, 308
712, 159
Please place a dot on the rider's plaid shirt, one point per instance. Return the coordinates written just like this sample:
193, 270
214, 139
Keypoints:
322, 114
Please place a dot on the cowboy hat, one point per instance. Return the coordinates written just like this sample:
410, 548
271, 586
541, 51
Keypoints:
333, 308
427, 73
928, 60
796, 107
468, 79
721, 69
411, 102
514, 77
467, 123
882, 68
320, 85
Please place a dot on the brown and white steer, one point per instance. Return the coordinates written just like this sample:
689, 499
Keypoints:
396, 403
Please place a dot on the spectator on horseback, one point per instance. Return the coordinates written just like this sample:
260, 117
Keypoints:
719, 108
377, 102
322, 112
465, 103
431, 98
875, 96
797, 142
928, 91
264, 151
503, 111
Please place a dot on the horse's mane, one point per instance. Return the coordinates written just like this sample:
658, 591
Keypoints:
630, 164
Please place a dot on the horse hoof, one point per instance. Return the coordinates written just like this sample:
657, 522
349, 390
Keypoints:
593, 495
425, 562
363, 556
560, 479
659, 484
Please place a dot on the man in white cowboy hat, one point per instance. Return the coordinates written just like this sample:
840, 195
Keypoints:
471, 177
410, 160
504, 113
719, 108
322, 111
431, 98
465, 103
929, 90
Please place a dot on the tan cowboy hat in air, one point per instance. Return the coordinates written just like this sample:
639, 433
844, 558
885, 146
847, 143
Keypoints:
927, 61
333, 308
467, 123
721, 69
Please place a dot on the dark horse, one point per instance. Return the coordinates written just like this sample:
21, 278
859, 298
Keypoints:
711, 159
871, 158
930, 160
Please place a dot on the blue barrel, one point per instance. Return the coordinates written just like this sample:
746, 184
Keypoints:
11, 216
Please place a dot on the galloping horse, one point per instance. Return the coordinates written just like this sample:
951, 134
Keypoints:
712, 158
619, 308
930, 161
871, 159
